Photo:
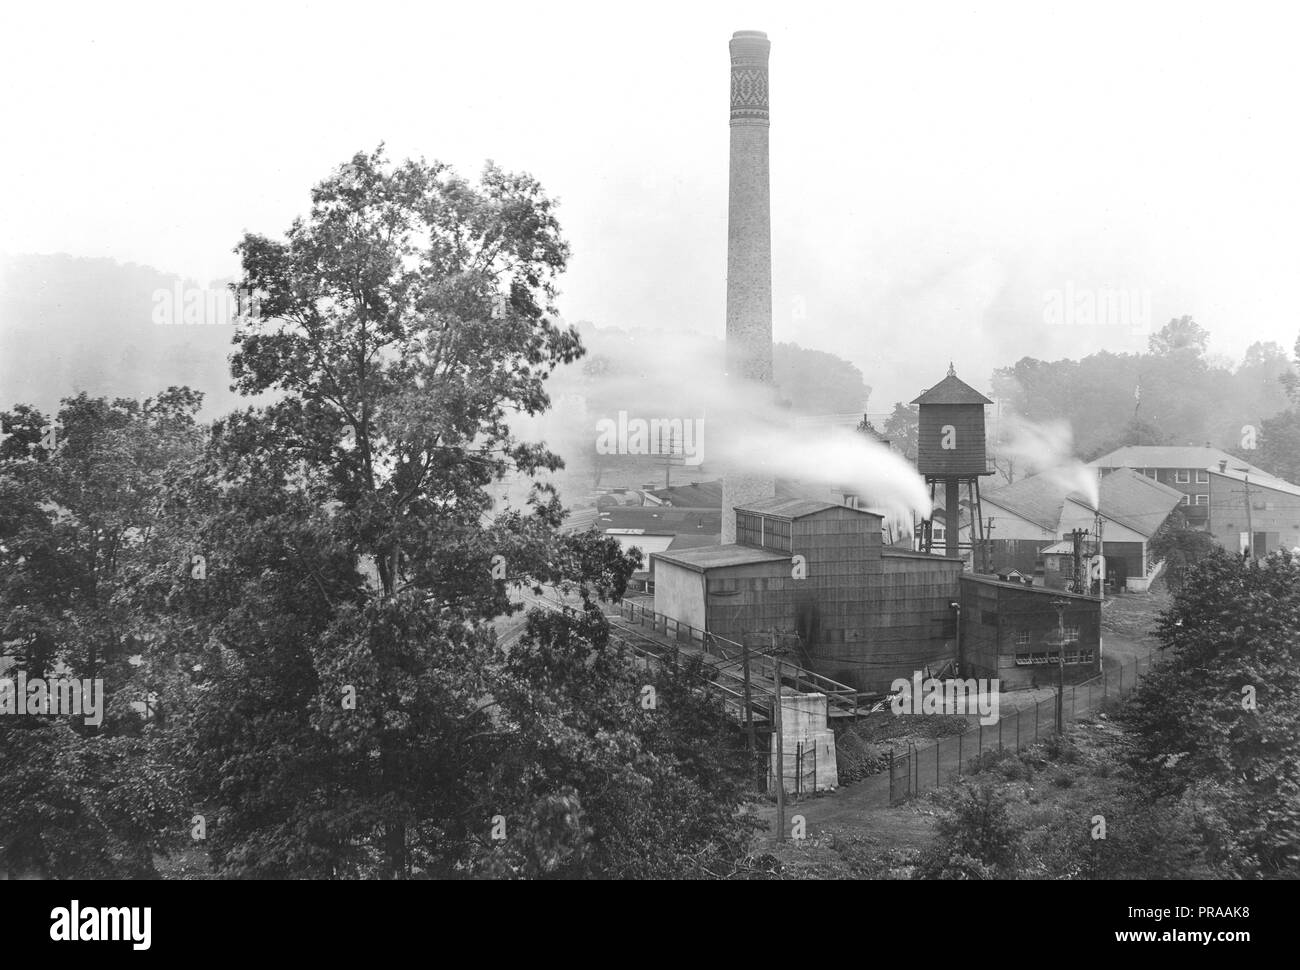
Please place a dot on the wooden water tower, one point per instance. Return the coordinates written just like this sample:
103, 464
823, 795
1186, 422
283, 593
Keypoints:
950, 452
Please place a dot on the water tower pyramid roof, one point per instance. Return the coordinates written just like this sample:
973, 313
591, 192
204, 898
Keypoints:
952, 390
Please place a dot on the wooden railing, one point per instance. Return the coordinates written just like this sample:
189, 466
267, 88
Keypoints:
669, 626
761, 660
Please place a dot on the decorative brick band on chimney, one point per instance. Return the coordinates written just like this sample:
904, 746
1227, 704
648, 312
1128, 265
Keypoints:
749, 53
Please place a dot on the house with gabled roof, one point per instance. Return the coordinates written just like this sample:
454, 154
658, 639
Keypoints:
1037, 512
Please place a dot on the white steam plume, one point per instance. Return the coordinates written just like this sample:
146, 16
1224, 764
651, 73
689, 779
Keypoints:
834, 458
748, 430
1047, 448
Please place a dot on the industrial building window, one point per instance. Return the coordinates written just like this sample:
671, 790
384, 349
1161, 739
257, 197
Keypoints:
1200, 500
776, 534
1052, 658
1085, 657
1202, 477
1182, 477
1071, 634
1185, 500
1022, 640
749, 529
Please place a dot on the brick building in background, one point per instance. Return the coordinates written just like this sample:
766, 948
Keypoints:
1214, 486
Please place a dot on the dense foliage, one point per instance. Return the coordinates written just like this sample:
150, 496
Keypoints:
292, 608
1219, 721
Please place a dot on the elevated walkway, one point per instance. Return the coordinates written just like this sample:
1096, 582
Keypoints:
653, 635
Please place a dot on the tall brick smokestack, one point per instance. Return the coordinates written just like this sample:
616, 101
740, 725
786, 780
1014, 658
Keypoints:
749, 252
749, 221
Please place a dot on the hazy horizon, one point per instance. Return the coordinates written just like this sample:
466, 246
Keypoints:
936, 179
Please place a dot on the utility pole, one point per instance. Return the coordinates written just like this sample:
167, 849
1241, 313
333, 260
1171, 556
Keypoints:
1250, 526
955, 606
749, 706
1076, 548
669, 452
1060, 605
780, 748
1101, 546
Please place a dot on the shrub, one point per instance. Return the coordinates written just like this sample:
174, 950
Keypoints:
1062, 749
976, 838
1014, 769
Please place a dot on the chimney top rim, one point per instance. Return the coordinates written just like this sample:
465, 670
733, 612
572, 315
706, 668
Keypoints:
749, 33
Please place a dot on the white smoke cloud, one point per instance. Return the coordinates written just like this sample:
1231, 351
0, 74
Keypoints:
746, 427
882, 479
1047, 448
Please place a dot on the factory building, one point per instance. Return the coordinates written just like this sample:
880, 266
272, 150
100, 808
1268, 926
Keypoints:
1014, 632
864, 614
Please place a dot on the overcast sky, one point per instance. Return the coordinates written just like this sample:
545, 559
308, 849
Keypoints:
938, 170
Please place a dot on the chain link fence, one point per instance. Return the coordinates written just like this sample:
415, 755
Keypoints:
915, 769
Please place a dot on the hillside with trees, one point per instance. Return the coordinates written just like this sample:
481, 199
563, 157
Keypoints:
1173, 394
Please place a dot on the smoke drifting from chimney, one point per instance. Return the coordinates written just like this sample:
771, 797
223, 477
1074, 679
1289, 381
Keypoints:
1047, 448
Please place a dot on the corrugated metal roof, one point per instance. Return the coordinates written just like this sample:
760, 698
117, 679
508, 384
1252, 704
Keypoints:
697, 495
1063, 548
1021, 587
660, 518
895, 552
1037, 498
1131, 499
1260, 480
789, 508
1171, 456
580, 521
690, 541
716, 557
1135, 500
